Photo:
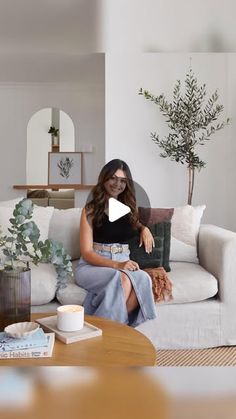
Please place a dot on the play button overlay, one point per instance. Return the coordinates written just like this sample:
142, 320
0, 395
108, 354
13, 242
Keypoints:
116, 209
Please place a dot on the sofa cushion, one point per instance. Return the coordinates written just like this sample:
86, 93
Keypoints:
41, 202
37, 193
64, 194
62, 199
64, 227
185, 223
43, 283
191, 283
61, 203
46, 308
160, 253
72, 293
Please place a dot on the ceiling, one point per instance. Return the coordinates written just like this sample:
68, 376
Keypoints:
49, 26
50, 41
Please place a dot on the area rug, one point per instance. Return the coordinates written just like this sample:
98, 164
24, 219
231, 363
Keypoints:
222, 356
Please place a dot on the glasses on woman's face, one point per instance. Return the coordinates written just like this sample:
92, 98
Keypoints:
116, 180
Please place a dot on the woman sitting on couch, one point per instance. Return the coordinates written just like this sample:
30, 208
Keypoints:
117, 288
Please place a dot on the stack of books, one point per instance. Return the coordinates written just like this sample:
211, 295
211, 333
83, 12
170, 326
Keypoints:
38, 345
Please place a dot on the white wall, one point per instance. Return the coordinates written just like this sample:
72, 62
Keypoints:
38, 146
18, 102
168, 25
67, 133
130, 119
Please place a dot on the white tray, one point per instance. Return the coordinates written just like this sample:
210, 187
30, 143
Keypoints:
88, 331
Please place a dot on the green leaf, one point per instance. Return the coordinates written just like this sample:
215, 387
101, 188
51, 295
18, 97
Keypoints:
10, 239
11, 231
26, 233
187, 116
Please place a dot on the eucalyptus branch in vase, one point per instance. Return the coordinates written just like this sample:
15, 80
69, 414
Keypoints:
24, 245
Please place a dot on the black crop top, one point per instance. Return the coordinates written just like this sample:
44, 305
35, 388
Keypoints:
119, 231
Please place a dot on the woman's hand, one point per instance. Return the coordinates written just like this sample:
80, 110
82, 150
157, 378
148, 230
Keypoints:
130, 265
146, 239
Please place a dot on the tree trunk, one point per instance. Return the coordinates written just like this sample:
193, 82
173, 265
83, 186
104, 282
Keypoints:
190, 184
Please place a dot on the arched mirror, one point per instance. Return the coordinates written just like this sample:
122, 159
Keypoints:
48, 130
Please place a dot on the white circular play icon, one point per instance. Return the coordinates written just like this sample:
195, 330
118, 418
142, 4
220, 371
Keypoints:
116, 209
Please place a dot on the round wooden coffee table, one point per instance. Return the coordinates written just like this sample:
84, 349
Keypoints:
119, 345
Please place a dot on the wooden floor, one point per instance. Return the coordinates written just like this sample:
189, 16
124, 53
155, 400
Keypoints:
203, 408
214, 357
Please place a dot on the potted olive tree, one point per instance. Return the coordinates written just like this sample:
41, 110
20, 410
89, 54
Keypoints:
192, 123
18, 248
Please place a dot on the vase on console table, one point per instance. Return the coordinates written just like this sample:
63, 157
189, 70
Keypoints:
15, 296
55, 140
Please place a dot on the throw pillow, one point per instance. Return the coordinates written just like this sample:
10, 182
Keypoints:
69, 234
43, 283
159, 257
37, 193
149, 216
41, 216
185, 224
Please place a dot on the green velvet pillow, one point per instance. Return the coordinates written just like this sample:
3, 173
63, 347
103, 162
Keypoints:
160, 253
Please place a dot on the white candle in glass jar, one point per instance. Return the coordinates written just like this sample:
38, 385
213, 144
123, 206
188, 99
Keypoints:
70, 318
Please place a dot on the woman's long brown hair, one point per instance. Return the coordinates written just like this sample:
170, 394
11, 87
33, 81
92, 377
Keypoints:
96, 206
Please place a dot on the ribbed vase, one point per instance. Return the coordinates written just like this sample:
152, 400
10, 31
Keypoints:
15, 296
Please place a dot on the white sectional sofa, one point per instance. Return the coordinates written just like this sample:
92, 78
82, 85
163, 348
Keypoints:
204, 322
203, 310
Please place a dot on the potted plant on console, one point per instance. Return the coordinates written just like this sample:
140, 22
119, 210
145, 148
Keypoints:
17, 250
55, 135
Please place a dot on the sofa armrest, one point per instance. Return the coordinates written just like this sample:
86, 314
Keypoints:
217, 254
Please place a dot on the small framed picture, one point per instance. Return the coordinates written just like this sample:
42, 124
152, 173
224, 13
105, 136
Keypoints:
64, 168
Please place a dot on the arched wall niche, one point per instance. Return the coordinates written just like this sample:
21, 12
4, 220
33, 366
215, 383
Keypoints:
40, 142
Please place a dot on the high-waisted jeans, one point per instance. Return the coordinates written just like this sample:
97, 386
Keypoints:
105, 296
